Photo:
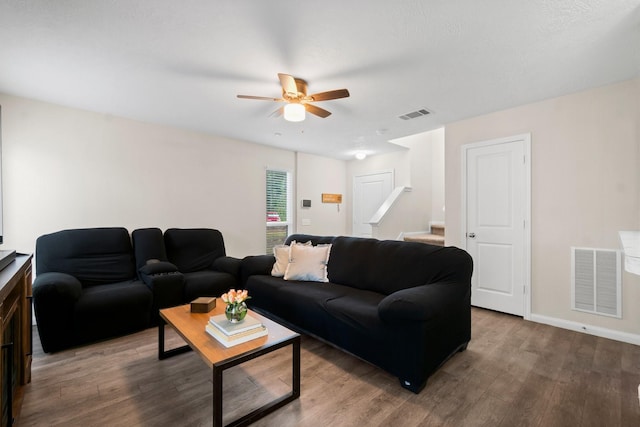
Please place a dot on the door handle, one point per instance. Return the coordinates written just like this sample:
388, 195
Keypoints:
471, 235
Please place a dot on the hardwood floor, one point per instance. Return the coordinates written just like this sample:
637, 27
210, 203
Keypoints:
514, 373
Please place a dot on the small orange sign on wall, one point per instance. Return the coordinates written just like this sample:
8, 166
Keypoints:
331, 198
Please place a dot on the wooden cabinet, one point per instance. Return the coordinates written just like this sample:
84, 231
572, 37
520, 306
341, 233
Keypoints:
15, 338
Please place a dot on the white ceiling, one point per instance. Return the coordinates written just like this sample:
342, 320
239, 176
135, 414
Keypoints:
182, 63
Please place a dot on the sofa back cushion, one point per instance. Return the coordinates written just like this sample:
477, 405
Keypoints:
94, 256
386, 266
193, 249
148, 244
304, 238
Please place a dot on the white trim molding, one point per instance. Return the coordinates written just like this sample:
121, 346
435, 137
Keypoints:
587, 329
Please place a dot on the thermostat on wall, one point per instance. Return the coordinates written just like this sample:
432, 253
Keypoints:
306, 203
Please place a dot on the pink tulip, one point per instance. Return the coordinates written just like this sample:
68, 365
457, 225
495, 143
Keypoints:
235, 297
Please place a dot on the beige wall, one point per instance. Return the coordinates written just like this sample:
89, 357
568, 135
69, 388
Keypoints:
420, 165
396, 161
426, 154
317, 175
437, 176
585, 188
67, 168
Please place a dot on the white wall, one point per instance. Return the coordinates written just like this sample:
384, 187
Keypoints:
426, 156
437, 175
317, 175
67, 168
585, 188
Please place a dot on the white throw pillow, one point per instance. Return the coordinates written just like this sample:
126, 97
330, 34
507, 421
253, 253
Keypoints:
281, 252
308, 263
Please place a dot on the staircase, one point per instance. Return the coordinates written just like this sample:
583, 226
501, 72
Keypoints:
435, 237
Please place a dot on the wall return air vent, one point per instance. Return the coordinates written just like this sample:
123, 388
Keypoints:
596, 281
415, 114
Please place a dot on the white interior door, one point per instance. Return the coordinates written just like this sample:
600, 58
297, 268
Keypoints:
497, 221
369, 192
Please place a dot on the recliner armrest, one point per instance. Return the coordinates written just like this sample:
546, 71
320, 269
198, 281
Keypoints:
227, 264
160, 267
54, 299
166, 283
423, 303
60, 286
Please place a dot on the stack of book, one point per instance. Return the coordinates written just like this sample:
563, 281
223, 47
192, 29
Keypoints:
230, 334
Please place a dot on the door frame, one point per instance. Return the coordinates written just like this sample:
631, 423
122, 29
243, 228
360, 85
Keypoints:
526, 139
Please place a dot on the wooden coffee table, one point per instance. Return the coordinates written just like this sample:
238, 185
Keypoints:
191, 327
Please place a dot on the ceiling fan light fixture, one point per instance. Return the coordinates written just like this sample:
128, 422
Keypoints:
294, 112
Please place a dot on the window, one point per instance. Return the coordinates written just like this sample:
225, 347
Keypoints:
278, 213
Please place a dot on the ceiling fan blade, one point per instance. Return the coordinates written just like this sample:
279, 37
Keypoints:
262, 98
331, 94
288, 84
277, 113
320, 112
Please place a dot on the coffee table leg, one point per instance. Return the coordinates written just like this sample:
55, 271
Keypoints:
295, 392
162, 354
217, 396
265, 409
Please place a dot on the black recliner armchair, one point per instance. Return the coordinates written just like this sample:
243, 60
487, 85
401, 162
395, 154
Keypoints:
86, 287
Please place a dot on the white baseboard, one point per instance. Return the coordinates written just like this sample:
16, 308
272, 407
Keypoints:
587, 329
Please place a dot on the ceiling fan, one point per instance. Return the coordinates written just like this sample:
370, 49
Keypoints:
294, 93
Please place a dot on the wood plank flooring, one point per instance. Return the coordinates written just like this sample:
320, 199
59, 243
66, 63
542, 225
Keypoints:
514, 373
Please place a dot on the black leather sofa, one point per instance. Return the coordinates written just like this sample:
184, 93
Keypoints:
405, 307
93, 284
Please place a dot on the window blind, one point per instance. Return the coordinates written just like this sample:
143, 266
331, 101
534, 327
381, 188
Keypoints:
278, 207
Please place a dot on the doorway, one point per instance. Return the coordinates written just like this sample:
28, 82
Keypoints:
497, 222
369, 192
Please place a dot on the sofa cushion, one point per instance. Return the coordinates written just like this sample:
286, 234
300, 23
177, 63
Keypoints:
358, 309
148, 244
385, 266
308, 263
110, 310
193, 249
302, 304
94, 256
309, 239
359, 329
265, 292
207, 283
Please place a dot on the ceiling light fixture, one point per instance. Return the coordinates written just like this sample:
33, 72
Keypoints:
361, 155
294, 112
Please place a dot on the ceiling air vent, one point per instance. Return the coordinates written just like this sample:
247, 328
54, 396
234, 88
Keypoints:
415, 114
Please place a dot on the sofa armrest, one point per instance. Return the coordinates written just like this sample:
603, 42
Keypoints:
166, 283
227, 264
54, 299
255, 265
58, 286
155, 268
423, 303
